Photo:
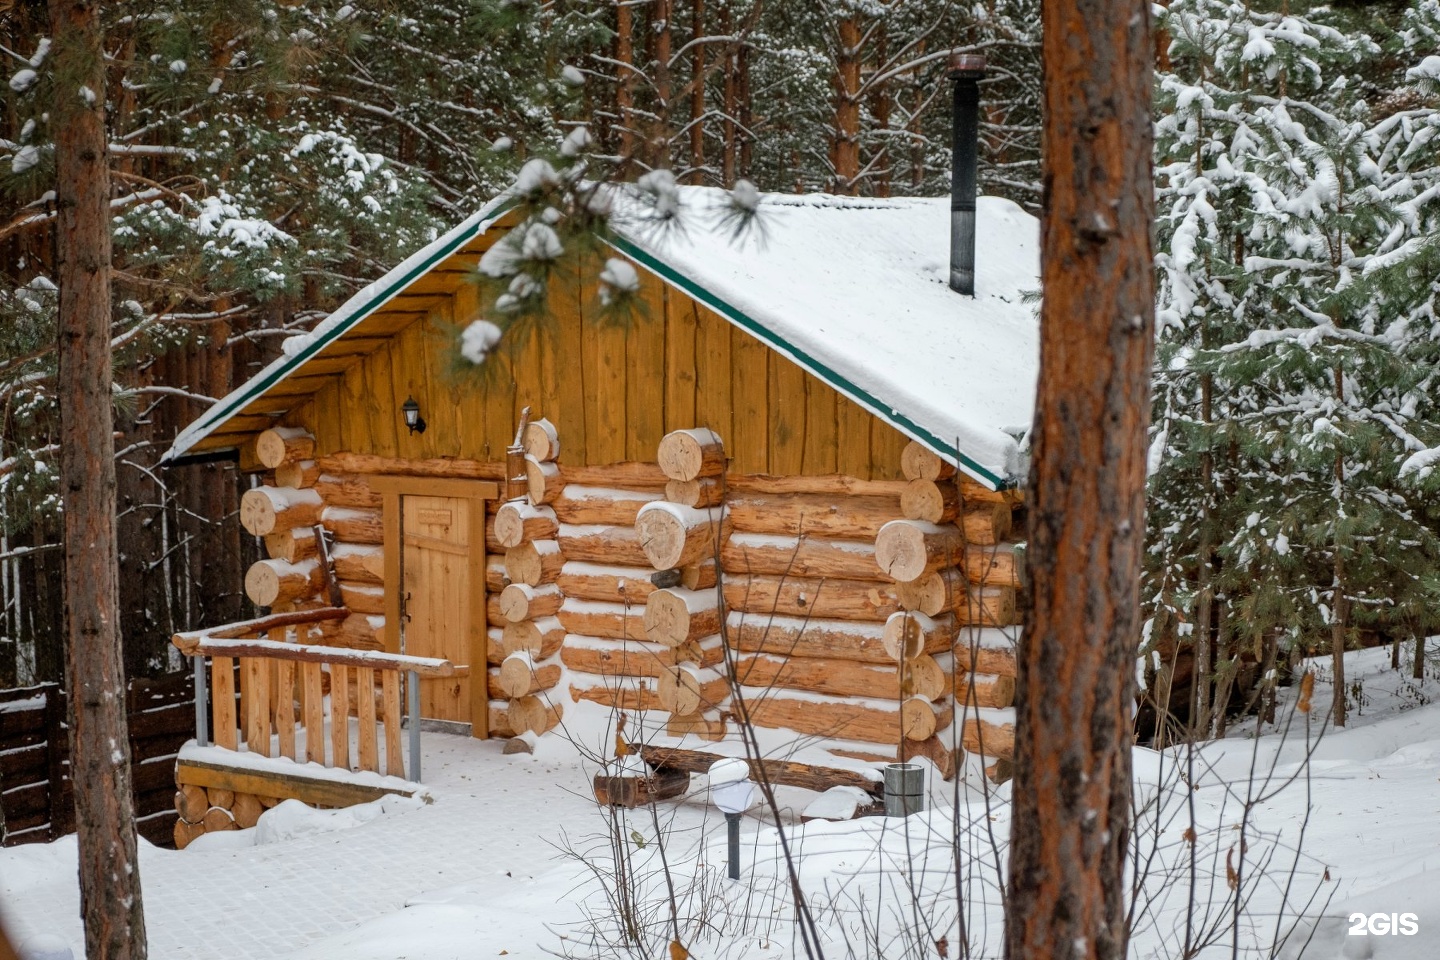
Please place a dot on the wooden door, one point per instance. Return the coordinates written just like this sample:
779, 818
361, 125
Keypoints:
437, 605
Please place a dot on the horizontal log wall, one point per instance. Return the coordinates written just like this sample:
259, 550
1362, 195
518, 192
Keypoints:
801, 558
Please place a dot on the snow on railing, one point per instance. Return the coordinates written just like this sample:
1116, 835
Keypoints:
274, 669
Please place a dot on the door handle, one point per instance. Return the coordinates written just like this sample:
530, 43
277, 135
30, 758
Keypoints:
405, 608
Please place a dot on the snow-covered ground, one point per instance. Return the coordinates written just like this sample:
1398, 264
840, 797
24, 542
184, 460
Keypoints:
482, 870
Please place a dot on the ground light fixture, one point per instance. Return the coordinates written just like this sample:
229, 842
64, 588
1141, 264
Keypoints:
732, 792
413, 421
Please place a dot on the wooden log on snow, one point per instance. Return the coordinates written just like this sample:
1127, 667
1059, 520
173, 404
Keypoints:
581, 505
778, 772
752, 554
349, 525
541, 440
591, 619
518, 521
280, 445
909, 633
795, 515
266, 510
297, 474
247, 810
292, 546
691, 454
540, 638
592, 543
185, 833
591, 581
806, 597
348, 490
871, 721
674, 536
269, 582
704, 492
695, 725
535, 563
520, 601
674, 616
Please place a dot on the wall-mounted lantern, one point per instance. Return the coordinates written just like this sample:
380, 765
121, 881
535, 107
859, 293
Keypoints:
413, 421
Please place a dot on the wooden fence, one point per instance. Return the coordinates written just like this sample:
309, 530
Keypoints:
35, 757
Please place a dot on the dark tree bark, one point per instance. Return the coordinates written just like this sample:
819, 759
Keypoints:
1070, 825
99, 744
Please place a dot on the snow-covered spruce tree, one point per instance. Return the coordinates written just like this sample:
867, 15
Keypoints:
1289, 388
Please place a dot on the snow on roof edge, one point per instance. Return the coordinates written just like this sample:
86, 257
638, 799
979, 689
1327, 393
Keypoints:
634, 247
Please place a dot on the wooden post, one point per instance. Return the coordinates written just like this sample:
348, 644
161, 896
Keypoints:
55, 754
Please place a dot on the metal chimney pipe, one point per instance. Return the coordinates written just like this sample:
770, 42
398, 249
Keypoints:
966, 69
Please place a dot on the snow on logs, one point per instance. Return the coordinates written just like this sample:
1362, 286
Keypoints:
675, 616
518, 521
691, 454
534, 563
272, 582
672, 535
521, 601
281, 445
265, 510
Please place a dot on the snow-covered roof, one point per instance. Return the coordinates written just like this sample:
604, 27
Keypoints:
853, 290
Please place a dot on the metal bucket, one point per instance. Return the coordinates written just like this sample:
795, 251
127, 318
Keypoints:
904, 789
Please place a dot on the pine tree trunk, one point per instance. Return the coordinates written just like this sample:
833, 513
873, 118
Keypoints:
728, 97
845, 136
1070, 820
99, 744
1417, 669
697, 93
625, 81
1204, 614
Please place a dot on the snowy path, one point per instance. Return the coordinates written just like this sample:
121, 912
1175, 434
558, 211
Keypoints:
267, 901
477, 873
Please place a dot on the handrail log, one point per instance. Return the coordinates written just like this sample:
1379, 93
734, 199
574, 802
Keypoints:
208, 645
260, 625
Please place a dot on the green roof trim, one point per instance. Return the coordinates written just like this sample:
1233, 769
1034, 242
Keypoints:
840, 383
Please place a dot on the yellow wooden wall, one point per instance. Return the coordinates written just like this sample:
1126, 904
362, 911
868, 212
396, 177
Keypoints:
612, 390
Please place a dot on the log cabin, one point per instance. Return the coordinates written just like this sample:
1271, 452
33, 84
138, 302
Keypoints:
784, 492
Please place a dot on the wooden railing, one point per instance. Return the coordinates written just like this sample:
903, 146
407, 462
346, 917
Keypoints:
277, 673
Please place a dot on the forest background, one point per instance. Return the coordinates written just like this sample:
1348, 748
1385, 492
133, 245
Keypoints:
269, 159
